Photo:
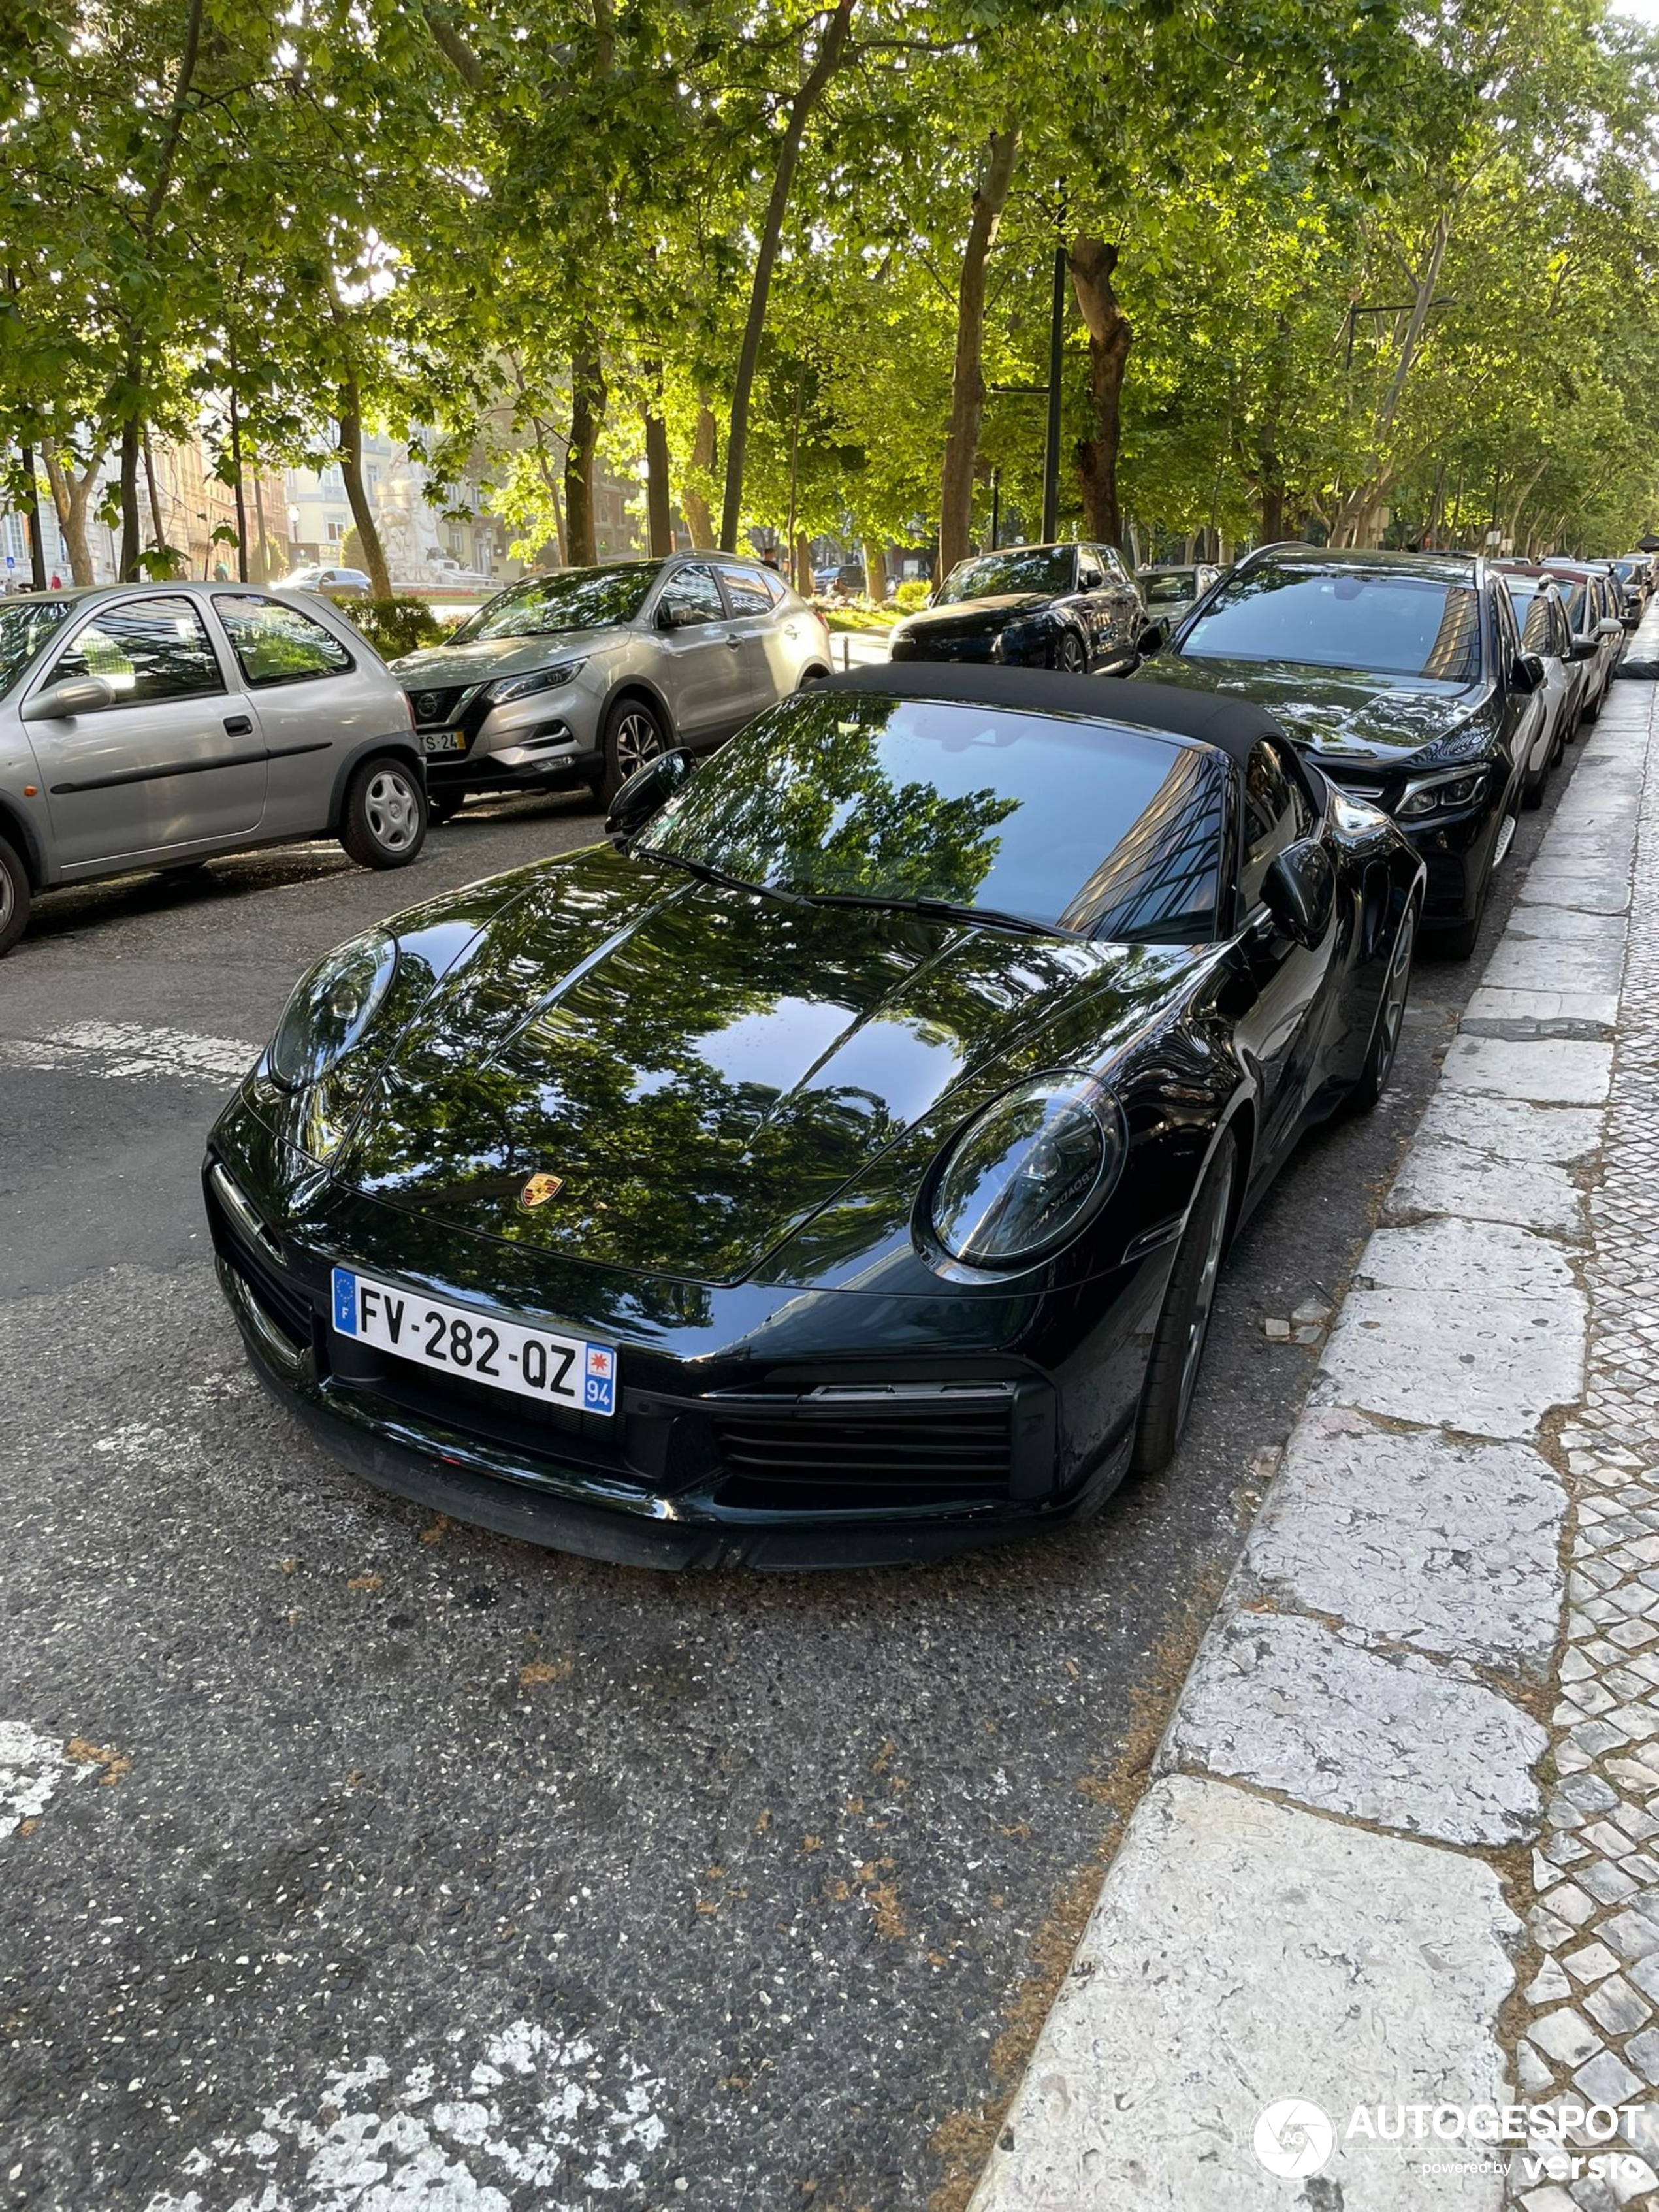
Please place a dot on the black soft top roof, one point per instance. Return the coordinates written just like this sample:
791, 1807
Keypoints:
1232, 725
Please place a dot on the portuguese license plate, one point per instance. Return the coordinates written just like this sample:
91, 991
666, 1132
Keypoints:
443, 741
561, 1371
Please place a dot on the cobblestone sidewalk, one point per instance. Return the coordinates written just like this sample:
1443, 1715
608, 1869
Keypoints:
1402, 1846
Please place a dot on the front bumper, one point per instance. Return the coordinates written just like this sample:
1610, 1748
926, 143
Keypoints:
867, 1450
547, 741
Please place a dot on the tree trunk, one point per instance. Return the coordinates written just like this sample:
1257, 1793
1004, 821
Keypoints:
803, 564
698, 519
362, 511
1272, 501
1092, 262
131, 545
71, 496
37, 543
832, 46
875, 574
241, 499
968, 375
659, 509
587, 399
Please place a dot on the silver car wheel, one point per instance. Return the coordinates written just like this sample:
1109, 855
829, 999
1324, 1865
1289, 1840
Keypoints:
637, 740
393, 809
1198, 1327
7, 901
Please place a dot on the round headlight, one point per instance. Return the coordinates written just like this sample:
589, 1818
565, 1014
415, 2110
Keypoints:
330, 1009
1025, 1177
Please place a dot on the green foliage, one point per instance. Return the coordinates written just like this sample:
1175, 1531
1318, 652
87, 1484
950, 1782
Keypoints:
396, 626
911, 595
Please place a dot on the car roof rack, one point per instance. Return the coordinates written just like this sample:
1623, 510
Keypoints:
1279, 545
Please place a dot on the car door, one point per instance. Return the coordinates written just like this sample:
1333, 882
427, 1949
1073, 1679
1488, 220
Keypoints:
699, 660
762, 646
178, 760
1282, 1030
1128, 614
317, 700
1521, 711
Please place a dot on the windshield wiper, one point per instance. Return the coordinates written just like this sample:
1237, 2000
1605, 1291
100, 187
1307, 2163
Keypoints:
705, 873
938, 909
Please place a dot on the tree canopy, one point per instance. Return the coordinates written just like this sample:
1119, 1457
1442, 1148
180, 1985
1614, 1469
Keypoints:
1384, 267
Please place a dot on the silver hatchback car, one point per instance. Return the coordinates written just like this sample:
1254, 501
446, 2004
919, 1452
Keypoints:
582, 675
153, 725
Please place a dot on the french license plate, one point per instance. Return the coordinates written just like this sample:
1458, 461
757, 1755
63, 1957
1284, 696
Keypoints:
443, 741
561, 1371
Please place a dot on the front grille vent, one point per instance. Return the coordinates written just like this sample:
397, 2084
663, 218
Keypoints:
858, 1449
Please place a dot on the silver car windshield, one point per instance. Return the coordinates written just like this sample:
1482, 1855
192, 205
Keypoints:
25, 627
570, 598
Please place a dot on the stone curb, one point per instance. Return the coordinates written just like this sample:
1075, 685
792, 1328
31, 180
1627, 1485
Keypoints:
1313, 1900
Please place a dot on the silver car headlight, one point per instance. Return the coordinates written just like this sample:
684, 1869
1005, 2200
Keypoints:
1025, 1175
330, 1009
1440, 794
539, 679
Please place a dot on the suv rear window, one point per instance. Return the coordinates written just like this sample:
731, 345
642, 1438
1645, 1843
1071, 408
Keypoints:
1381, 624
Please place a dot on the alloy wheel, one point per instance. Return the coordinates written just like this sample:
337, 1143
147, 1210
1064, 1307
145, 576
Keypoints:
1198, 1325
1395, 991
1070, 656
7, 901
637, 741
392, 810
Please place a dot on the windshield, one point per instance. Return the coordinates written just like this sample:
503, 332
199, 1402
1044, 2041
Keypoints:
1045, 569
569, 599
25, 627
298, 579
1102, 831
1388, 625
1164, 588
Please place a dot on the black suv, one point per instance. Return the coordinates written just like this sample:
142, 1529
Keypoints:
1402, 676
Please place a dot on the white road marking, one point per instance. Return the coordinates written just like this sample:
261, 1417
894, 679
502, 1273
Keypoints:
125, 1048
583, 2117
31, 1767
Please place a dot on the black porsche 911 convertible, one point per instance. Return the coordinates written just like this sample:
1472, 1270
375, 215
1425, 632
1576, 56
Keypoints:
838, 1163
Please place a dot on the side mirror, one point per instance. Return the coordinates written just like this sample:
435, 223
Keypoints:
1609, 626
1527, 671
646, 793
1584, 646
1153, 638
1300, 890
673, 617
61, 702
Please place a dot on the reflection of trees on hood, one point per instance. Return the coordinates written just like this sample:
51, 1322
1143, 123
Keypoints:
725, 1067
802, 798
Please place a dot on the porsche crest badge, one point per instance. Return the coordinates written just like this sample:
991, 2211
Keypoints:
540, 1188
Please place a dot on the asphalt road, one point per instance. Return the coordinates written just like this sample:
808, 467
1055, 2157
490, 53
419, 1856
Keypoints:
395, 1865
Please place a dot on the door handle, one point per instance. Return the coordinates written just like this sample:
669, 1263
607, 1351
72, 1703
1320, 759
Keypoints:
736, 644
239, 726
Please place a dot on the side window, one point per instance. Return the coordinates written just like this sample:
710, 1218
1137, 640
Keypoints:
1539, 634
274, 644
1115, 571
1091, 576
1560, 629
745, 591
1276, 813
693, 596
149, 649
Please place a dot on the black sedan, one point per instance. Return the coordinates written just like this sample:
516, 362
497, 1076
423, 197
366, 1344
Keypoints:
1401, 676
837, 1165
1074, 608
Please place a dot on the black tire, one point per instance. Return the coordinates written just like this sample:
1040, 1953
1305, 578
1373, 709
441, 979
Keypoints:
383, 822
1166, 1397
1593, 708
1070, 657
444, 805
1390, 1017
1532, 787
633, 734
14, 898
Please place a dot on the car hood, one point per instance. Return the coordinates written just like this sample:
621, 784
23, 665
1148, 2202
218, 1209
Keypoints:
704, 1069
969, 617
1336, 712
500, 656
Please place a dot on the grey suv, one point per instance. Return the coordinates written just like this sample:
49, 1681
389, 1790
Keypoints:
582, 675
153, 725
